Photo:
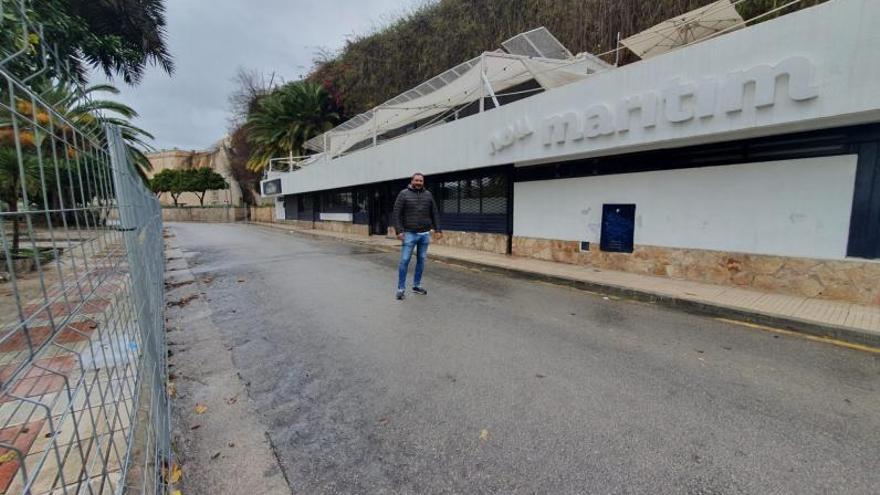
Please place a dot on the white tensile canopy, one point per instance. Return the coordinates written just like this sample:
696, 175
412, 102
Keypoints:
685, 29
482, 76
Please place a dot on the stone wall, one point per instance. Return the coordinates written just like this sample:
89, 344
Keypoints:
300, 224
853, 281
343, 227
263, 214
266, 214
493, 243
196, 214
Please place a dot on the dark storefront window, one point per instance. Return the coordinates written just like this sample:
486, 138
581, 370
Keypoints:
450, 195
470, 196
304, 210
474, 196
475, 204
291, 208
469, 202
494, 195
361, 215
336, 202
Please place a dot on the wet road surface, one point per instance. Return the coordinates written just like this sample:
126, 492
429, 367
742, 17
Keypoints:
496, 385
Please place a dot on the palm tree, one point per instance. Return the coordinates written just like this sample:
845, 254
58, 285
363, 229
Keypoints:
90, 115
286, 118
120, 37
130, 35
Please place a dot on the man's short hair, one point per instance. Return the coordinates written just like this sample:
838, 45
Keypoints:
413, 176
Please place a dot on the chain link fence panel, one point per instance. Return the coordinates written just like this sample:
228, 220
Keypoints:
83, 401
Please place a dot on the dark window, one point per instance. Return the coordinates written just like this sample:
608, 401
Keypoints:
360, 201
272, 187
802, 145
291, 208
487, 195
304, 210
336, 202
470, 196
473, 204
618, 228
450, 195
494, 195
361, 216
864, 226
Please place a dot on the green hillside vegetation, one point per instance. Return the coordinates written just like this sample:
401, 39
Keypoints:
439, 35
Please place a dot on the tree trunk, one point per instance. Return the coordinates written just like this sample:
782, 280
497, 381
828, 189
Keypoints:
16, 235
202, 199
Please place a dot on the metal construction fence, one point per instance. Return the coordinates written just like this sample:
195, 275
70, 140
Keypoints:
83, 401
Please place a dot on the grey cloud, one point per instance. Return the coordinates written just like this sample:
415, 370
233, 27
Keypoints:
210, 40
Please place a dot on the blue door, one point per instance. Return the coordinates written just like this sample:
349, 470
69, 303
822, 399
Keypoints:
618, 227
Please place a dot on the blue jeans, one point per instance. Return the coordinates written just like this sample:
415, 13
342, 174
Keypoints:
420, 242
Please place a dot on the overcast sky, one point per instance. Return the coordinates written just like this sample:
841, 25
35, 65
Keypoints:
211, 39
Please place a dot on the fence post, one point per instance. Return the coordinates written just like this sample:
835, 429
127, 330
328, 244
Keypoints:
141, 224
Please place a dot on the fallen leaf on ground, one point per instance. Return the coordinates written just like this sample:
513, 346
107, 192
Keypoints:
176, 492
232, 400
484, 435
195, 427
241, 280
216, 455
7, 457
201, 408
172, 389
231, 444
183, 302
384, 420
175, 474
174, 285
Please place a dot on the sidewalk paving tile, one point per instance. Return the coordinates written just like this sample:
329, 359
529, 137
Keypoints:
87, 425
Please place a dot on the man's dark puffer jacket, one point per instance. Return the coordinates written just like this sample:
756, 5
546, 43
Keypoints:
415, 211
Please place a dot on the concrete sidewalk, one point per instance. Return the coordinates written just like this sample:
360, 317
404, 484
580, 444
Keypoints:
852, 323
225, 448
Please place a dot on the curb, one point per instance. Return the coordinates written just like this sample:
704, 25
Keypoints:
816, 329
192, 330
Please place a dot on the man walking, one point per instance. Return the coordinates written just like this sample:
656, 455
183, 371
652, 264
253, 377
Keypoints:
415, 218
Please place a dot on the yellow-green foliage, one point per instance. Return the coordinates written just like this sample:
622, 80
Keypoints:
374, 68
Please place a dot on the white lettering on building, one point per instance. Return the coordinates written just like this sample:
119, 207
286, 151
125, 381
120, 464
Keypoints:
679, 101
520, 129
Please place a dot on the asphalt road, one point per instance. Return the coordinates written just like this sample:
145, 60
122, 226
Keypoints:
496, 385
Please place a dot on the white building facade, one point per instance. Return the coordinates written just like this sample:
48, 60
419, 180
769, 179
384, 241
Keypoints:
751, 159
